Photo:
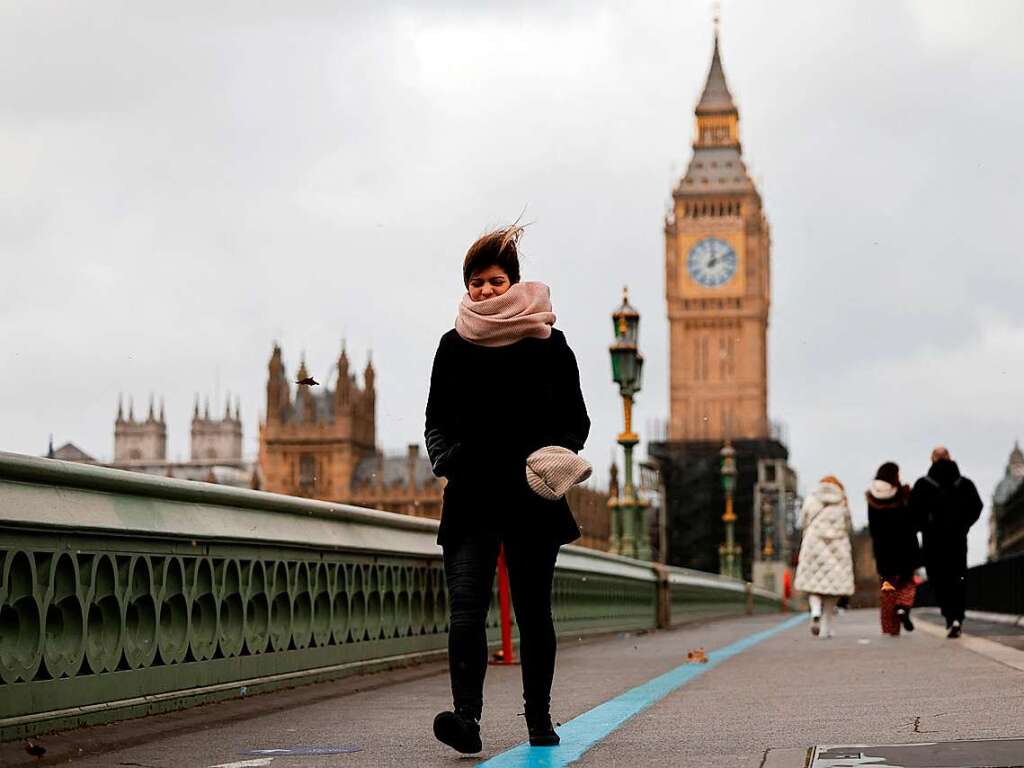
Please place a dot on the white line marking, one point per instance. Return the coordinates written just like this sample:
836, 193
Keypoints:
257, 763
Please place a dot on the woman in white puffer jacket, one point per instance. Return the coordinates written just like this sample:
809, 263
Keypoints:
825, 569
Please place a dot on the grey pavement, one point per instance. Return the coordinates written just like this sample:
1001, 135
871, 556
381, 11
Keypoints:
795, 691
996, 631
763, 707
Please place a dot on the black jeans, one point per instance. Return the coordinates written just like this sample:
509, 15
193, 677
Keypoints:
950, 587
469, 567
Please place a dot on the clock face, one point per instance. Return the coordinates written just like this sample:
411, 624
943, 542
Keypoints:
712, 262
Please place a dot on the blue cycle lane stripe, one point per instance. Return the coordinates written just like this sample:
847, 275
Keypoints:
583, 732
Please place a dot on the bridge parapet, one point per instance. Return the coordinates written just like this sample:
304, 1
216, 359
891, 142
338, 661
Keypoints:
124, 594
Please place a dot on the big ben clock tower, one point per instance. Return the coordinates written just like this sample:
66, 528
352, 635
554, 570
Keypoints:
717, 251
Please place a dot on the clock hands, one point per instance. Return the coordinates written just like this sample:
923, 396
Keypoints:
713, 261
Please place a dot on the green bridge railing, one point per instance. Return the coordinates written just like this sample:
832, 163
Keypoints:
123, 594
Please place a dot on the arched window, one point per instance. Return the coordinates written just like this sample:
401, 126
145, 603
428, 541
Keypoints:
307, 473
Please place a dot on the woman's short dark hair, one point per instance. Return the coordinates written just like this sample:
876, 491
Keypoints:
498, 248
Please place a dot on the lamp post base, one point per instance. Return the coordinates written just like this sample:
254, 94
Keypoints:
730, 559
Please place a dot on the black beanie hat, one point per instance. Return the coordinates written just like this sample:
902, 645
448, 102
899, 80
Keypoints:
890, 473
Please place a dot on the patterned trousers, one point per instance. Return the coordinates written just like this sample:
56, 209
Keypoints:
901, 597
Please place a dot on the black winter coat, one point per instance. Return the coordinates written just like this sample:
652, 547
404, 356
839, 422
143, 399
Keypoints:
488, 409
894, 536
945, 505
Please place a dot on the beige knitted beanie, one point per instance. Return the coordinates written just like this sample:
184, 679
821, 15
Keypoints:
553, 470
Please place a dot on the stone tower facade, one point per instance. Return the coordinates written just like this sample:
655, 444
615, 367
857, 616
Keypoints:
311, 445
717, 259
1006, 520
144, 440
217, 439
321, 444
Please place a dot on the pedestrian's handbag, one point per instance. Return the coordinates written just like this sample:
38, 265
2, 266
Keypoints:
553, 470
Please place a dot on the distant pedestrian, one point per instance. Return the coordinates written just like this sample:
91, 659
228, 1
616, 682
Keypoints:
825, 569
897, 552
504, 385
945, 505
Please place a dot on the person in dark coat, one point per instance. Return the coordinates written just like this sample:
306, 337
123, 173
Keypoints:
894, 540
946, 504
504, 385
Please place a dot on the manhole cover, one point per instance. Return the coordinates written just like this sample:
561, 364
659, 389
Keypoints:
988, 753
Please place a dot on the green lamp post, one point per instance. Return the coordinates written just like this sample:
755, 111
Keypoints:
729, 553
629, 535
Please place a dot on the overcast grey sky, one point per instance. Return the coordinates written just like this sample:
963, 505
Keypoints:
184, 183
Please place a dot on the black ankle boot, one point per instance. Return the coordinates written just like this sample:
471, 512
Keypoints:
460, 730
903, 614
542, 732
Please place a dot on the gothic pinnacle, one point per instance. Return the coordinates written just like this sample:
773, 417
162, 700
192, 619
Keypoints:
716, 97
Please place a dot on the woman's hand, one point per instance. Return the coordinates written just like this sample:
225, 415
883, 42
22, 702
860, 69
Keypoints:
447, 456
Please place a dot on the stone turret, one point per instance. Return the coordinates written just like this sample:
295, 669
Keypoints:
278, 390
305, 395
144, 440
1015, 466
343, 394
216, 439
369, 378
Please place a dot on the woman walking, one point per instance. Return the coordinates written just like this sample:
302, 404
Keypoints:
505, 418
825, 569
897, 552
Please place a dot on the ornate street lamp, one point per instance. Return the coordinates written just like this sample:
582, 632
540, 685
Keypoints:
629, 535
729, 552
768, 526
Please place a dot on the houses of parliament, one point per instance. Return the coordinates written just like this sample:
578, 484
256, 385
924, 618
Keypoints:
315, 442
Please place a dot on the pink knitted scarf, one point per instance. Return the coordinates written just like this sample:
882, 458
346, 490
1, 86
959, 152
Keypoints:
521, 311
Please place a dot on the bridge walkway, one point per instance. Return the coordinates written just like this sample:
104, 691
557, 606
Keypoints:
778, 692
